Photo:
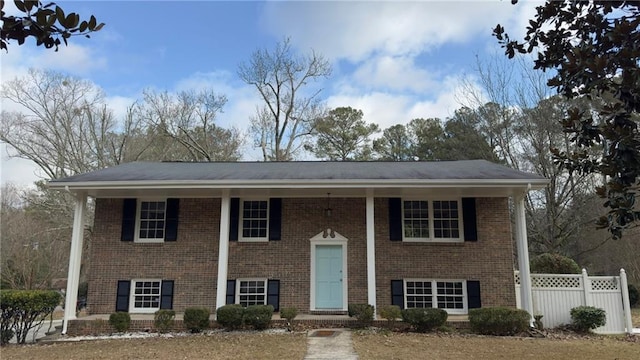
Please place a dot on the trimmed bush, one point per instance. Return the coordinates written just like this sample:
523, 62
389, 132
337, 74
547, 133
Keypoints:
363, 313
121, 321
23, 310
230, 316
634, 295
586, 318
426, 319
390, 312
498, 321
258, 316
554, 264
163, 319
289, 313
196, 319
6, 335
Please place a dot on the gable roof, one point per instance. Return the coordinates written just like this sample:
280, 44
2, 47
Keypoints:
322, 174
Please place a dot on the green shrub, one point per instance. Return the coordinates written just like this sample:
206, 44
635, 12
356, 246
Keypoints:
537, 322
163, 319
230, 316
23, 310
120, 321
363, 313
426, 319
289, 313
83, 289
634, 295
498, 321
6, 335
586, 318
553, 264
391, 313
258, 316
196, 319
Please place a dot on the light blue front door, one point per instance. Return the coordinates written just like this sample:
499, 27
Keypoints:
329, 277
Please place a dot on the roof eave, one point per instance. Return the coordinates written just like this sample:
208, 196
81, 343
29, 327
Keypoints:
527, 184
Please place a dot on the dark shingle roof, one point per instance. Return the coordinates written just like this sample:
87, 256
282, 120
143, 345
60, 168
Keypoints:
300, 171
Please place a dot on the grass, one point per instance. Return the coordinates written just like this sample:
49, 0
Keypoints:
371, 346
215, 347
635, 316
368, 345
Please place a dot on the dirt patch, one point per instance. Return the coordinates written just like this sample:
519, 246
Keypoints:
323, 333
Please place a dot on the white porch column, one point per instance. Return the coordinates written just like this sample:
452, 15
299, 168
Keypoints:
75, 259
223, 252
371, 252
523, 256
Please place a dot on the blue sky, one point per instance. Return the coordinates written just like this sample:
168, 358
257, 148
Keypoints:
393, 60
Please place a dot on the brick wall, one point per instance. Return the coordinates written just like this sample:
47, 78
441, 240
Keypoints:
488, 260
192, 260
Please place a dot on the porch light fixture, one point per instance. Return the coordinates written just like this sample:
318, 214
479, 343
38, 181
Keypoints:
327, 210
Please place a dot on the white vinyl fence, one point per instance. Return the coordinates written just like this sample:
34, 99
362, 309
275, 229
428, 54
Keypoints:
554, 296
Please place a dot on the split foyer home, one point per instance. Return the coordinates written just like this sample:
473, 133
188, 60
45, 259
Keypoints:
313, 235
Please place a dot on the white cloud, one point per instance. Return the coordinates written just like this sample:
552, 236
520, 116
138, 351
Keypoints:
394, 73
357, 30
73, 59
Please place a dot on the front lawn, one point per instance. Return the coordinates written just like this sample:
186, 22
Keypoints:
433, 346
215, 347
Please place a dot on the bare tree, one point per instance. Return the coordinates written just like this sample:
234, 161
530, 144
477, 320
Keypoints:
184, 127
65, 127
285, 121
30, 259
521, 121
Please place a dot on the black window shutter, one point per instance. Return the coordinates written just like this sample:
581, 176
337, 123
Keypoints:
395, 219
273, 294
397, 293
122, 295
234, 218
469, 219
275, 218
166, 294
231, 292
129, 210
171, 225
473, 294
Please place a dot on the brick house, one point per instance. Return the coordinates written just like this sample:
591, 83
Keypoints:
314, 235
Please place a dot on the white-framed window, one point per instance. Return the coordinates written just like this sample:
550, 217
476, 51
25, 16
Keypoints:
151, 220
145, 295
254, 220
251, 292
449, 295
432, 220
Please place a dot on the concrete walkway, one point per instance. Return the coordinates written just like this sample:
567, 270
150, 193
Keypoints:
333, 344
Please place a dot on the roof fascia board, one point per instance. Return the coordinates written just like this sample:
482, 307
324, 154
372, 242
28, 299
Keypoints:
533, 184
